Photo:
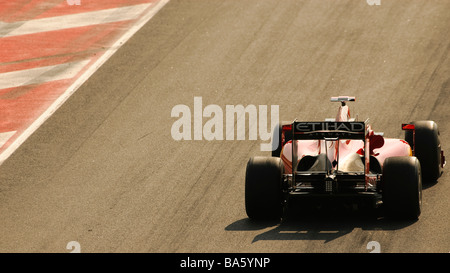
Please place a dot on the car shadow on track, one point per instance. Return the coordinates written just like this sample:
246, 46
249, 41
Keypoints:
325, 225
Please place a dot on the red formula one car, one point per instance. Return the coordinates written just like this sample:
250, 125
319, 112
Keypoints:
344, 159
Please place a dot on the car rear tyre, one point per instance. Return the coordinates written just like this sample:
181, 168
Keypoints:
263, 193
427, 148
402, 187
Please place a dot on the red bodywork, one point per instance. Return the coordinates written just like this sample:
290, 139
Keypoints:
348, 152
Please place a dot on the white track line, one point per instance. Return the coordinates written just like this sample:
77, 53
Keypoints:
78, 20
38, 122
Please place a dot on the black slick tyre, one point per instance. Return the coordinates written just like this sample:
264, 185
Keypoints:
427, 148
402, 187
263, 192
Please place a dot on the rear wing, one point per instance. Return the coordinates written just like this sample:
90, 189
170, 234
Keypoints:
334, 130
342, 98
322, 130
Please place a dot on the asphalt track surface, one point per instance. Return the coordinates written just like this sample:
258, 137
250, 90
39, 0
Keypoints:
105, 171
